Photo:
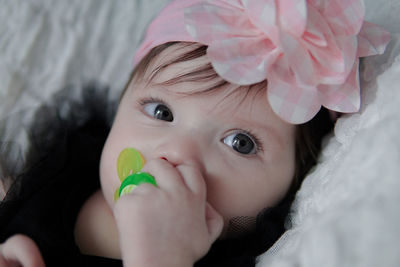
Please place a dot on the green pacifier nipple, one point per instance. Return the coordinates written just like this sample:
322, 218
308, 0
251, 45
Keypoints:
129, 164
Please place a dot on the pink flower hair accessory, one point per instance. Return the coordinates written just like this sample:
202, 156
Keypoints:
308, 50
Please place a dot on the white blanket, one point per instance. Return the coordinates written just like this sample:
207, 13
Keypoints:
346, 213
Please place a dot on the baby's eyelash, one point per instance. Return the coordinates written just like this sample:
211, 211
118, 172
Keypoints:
257, 140
151, 100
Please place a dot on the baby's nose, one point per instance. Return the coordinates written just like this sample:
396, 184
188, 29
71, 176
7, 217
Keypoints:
180, 150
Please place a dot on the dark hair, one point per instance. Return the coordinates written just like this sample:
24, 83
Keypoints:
242, 251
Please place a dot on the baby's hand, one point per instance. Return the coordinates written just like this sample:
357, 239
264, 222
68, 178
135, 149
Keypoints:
20, 250
168, 225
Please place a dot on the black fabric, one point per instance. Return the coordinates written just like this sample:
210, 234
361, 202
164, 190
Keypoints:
44, 202
66, 139
243, 251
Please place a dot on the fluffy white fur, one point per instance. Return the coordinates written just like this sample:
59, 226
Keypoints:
346, 213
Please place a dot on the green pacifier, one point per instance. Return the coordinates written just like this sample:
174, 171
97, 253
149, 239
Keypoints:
129, 164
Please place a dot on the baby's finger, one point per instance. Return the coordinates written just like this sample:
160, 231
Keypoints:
3, 261
193, 179
22, 250
215, 222
166, 175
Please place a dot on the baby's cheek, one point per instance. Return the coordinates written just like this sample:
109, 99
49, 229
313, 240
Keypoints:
108, 189
109, 180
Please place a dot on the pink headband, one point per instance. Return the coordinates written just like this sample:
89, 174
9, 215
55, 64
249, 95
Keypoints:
308, 50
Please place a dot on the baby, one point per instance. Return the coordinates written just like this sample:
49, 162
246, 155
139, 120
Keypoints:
223, 105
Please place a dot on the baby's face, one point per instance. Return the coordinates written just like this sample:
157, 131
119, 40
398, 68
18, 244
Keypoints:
245, 153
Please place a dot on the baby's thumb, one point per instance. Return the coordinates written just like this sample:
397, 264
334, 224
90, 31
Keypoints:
215, 222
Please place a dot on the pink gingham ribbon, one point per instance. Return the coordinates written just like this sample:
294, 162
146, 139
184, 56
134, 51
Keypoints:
307, 50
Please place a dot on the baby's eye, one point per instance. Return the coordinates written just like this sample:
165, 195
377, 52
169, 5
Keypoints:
158, 111
242, 143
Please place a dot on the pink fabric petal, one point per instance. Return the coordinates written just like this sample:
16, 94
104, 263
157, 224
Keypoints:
347, 46
328, 59
298, 58
372, 40
209, 23
235, 61
318, 4
236, 4
344, 16
322, 45
263, 14
293, 103
344, 97
293, 16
